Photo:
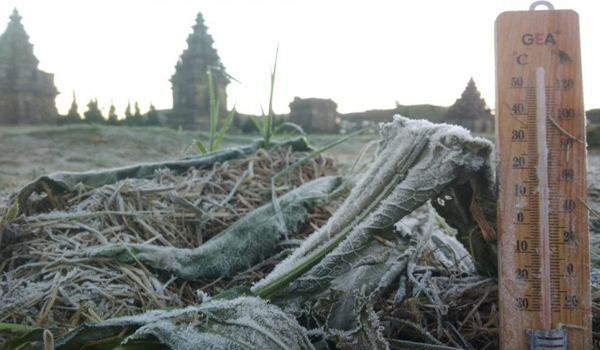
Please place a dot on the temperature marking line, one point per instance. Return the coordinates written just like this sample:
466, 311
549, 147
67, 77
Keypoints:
542, 174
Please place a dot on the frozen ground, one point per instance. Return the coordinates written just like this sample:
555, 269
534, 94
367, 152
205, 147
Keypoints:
28, 152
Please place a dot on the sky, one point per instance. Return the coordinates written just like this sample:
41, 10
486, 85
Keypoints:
361, 54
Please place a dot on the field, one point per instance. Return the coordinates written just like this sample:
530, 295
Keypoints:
27, 152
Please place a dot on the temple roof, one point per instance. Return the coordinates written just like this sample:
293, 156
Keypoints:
18, 65
15, 49
199, 55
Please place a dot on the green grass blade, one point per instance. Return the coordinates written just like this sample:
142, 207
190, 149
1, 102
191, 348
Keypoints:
299, 163
360, 156
185, 149
214, 112
269, 122
15, 327
224, 73
315, 153
266, 129
13, 210
224, 128
273, 74
201, 147
258, 126
291, 125
214, 123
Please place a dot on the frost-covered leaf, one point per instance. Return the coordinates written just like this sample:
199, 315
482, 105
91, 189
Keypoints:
242, 323
415, 161
358, 270
345, 284
350, 260
242, 245
365, 335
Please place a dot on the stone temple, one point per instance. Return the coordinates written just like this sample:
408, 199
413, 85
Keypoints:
27, 94
190, 84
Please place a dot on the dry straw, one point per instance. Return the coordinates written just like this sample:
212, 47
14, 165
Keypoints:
48, 281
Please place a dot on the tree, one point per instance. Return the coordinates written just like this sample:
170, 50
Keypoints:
137, 119
113, 119
93, 115
470, 111
128, 115
73, 116
152, 117
593, 116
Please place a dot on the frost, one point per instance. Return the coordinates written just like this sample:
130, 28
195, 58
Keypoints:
415, 161
372, 242
365, 335
341, 289
242, 245
64, 181
241, 323
202, 296
340, 270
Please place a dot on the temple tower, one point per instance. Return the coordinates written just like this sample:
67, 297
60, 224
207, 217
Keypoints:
27, 94
191, 98
470, 111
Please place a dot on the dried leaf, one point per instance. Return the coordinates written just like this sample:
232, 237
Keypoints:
242, 245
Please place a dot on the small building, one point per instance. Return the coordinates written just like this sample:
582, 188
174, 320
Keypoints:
27, 94
190, 83
315, 115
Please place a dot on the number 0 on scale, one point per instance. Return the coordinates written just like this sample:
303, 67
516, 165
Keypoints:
543, 238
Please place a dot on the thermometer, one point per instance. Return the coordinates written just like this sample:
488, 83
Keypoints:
543, 237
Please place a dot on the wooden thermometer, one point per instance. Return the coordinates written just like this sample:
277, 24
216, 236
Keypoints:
543, 242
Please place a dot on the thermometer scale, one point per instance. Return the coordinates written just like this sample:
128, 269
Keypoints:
543, 238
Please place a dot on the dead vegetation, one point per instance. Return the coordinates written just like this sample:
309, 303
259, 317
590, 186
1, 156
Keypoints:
48, 281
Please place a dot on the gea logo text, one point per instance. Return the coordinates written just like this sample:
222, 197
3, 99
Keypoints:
538, 39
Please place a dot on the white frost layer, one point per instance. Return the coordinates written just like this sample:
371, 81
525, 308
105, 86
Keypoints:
241, 323
400, 137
